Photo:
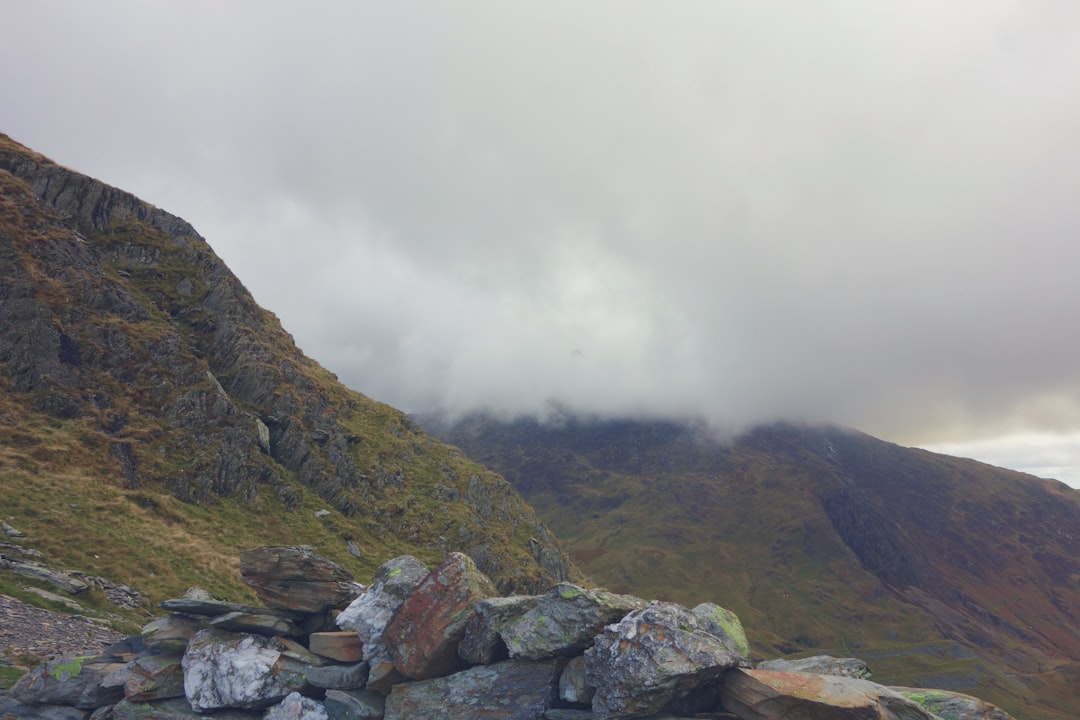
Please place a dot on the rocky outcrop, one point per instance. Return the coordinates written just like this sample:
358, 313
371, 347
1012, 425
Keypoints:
659, 660
424, 634
294, 578
118, 317
653, 656
775, 695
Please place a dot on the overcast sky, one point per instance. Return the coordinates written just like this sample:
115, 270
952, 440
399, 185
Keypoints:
862, 213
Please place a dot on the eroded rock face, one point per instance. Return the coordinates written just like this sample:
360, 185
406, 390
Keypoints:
293, 577
223, 669
565, 621
775, 695
424, 634
503, 691
76, 681
651, 657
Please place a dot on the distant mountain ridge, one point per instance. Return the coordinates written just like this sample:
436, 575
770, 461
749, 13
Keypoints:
819, 538
154, 420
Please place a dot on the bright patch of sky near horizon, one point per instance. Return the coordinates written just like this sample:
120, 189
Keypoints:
860, 213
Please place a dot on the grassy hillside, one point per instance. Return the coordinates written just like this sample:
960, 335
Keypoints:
154, 420
939, 571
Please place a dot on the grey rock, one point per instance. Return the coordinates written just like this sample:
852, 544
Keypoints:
775, 695
483, 643
424, 634
212, 608
725, 625
822, 665
952, 705
293, 577
70, 680
63, 579
256, 623
197, 593
12, 708
339, 677
565, 621
7, 548
153, 677
297, 707
354, 705
53, 597
369, 614
171, 633
174, 709
520, 690
653, 656
235, 670
11, 532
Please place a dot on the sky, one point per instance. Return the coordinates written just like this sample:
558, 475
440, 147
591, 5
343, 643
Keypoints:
859, 213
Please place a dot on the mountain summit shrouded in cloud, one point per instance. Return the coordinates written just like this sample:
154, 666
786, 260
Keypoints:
863, 214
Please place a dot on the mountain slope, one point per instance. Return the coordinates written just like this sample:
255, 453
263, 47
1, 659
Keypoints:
154, 420
820, 539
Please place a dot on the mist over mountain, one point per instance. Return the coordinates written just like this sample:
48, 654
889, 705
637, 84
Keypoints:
822, 539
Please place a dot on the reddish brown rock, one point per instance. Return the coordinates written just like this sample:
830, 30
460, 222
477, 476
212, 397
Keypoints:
776, 695
154, 677
293, 577
343, 645
424, 634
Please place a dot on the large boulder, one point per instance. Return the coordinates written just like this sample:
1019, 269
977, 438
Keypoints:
504, 691
369, 613
953, 705
653, 656
424, 634
822, 665
483, 643
775, 695
232, 670
293, 577
564, 621
77, 681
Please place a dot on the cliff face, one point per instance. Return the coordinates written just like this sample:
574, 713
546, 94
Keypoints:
131, 354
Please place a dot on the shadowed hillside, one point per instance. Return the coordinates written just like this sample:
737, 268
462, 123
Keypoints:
154, 420
821, 539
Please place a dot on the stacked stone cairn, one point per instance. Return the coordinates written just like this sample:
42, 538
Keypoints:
421, 644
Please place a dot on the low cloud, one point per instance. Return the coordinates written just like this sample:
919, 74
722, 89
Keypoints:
865, 215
